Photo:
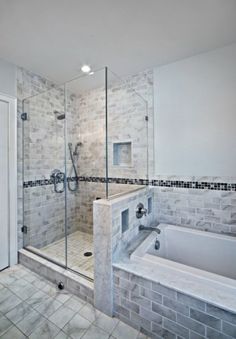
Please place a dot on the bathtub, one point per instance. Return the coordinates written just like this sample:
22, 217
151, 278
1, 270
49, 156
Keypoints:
208, 255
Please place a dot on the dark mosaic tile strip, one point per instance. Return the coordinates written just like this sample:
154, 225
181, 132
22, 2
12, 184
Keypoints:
160, 183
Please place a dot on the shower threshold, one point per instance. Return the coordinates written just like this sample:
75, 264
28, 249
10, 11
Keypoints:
74, 282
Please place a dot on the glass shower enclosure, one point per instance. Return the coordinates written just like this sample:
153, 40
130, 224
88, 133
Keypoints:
77, 147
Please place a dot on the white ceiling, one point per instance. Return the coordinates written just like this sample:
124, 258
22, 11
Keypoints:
55, 37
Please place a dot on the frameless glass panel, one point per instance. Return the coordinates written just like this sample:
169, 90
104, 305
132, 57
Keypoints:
85, 165
127, 135
44, 174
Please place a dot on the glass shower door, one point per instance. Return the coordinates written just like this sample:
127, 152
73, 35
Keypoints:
44, 174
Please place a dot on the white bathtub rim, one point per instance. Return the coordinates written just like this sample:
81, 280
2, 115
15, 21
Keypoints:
183, 283
207, 286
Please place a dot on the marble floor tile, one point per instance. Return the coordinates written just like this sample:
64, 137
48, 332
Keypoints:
19, 312
75, 303
62, 296
52, 291
106, 323
31, 277
5, 324
39, 283
47, 330
142, 336
8, 304
7, 278
28, 324
122, 331
89, 312
13, 333
95, 332
77, 327
62, 335
36, 299
50, 313
4, 294
48, 307
22, 289
62, 316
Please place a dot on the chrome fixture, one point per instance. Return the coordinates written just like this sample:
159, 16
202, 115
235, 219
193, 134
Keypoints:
157, 245
58, 178
59, 115
140, 210
73, 157
149, 228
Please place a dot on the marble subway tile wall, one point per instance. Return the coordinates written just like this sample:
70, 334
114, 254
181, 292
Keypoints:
126, 121
43, 152
89, 192
28, 84
121, 240
209, 210
110, 242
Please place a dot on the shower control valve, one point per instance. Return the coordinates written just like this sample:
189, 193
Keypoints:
140, 210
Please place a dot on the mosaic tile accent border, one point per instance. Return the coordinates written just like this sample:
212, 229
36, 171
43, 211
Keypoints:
218, 186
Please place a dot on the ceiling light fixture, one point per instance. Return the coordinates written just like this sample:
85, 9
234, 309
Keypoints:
86, 69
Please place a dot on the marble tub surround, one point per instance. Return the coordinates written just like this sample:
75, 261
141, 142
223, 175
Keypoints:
216, 286
160, 310
109, 241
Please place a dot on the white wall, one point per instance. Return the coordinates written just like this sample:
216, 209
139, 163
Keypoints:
7, 78
195, 115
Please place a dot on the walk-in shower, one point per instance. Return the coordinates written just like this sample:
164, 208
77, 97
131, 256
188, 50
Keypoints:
80, 143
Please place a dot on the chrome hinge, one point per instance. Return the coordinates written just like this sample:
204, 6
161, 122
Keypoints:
24, 116
24, 229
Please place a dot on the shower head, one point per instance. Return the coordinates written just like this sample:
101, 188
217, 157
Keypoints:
59, 115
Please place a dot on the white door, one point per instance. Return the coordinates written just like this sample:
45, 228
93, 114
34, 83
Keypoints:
4, 184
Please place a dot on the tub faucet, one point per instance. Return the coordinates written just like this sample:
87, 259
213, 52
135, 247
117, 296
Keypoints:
149, 228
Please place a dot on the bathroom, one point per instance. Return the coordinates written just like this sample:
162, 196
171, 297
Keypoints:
118, 184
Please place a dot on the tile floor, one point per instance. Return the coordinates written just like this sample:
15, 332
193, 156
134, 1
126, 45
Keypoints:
77, 243
31, 307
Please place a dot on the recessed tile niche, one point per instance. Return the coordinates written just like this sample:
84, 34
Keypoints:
122, 153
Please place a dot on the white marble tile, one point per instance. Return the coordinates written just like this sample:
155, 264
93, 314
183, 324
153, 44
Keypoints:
13, 333
77, 326
62, 316
95, 332
5, 324
8, 304
28, 324
48, 307
47, 330
106, 323
36, 299
19, 312
122, 331
62, 335
75, 303
89, 312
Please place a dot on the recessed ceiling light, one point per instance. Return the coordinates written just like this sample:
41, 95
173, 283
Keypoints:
86, 68
91, 73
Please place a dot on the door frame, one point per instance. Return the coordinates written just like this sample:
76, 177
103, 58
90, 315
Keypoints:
12, 102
